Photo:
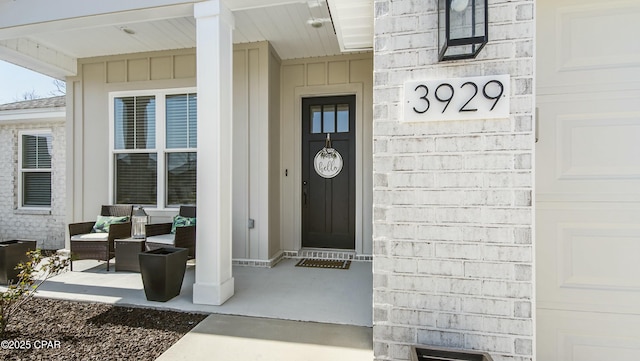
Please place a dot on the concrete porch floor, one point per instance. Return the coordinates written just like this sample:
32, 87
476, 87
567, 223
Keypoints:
282, 313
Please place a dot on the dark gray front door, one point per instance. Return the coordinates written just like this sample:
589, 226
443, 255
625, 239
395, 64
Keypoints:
328, 204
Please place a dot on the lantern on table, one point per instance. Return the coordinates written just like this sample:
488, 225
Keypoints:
139, 219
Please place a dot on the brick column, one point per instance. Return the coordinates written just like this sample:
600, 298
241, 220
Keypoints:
453, 215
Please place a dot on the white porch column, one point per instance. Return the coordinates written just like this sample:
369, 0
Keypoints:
214, 24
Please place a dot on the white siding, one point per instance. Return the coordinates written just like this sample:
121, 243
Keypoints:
338, 75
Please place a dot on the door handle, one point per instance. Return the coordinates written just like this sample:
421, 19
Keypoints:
304, 193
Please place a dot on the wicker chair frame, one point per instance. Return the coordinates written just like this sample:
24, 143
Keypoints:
185, 237
102, 250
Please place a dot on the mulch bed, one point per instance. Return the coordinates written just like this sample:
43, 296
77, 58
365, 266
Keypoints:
93, 331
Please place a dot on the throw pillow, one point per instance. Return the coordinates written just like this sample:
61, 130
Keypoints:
180, 221
103, 223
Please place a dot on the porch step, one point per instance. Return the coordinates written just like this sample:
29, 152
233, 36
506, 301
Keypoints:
231, 338
328, 255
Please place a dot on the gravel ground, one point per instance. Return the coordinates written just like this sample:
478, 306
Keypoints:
92, 331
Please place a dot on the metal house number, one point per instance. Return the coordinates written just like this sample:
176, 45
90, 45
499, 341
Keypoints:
483, 97
328, 161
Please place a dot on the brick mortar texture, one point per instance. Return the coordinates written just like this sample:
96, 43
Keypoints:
46, 227
453, 215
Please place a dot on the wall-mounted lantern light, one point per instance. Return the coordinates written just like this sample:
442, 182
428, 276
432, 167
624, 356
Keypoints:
462, 28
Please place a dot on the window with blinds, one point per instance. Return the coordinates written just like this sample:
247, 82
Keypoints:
135, 122
35, 169
151, 168
136, 172
181, 178
181, 121
136, 178
181, 160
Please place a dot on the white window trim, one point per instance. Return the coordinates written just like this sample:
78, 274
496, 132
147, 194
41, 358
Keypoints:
161, 150
21, 171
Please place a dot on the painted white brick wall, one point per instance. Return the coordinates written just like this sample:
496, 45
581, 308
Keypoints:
46, 227
453, 253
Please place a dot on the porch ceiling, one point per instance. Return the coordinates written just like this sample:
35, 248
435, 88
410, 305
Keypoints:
51, 39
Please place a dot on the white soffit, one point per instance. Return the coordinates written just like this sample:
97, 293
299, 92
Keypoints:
288, 29
353, 21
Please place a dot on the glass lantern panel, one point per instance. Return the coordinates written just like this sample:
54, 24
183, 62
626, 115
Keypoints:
459, 50
467, 19
442, 20
137, 226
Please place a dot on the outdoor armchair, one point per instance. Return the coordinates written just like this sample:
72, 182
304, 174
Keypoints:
159, 234
95, 239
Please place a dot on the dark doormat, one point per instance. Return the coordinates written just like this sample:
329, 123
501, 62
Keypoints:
323, 263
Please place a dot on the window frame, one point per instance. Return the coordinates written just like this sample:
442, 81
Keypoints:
21, 170
161, 150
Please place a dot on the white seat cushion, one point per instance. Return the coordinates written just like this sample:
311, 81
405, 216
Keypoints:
168, 239
90, 237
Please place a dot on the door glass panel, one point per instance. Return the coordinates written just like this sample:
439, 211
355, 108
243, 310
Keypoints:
316, 119
343, 118
329, 125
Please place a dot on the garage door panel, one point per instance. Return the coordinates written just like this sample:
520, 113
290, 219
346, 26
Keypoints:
598, 146
588, 37
579, 25
599, 256
588, 256
580, 336
588, 147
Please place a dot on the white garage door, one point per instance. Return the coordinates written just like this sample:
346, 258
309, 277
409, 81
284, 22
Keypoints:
588, 180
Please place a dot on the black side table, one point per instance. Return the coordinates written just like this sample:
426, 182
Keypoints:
127, 250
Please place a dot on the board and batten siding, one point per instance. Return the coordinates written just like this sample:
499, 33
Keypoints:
88, 118
256, 147
256, 129
453, 214
326, 76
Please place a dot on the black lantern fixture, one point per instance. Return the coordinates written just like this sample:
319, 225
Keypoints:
462, 28
139, 219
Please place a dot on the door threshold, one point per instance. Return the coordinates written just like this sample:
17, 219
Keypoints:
329, 254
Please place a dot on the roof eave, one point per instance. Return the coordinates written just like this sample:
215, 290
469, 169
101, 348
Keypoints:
54, 114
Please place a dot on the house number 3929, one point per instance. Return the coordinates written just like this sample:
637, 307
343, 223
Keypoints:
481, 97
